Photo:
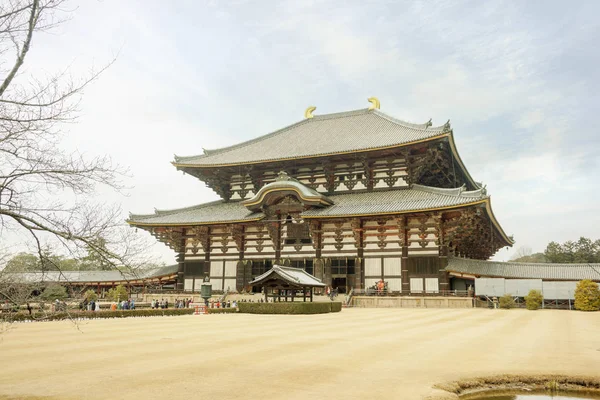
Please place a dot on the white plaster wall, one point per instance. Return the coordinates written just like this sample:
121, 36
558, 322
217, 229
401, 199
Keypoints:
392, 266
216, 268
394, 284
432, 285
372, 266
230, 283
230, 268
416, 285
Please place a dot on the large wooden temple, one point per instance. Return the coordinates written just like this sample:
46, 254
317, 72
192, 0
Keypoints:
352, 198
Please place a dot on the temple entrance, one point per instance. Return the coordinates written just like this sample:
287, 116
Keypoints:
339, 284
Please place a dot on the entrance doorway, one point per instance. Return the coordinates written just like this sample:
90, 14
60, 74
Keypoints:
339, 284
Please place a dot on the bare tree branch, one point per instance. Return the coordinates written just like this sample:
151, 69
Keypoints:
46, 193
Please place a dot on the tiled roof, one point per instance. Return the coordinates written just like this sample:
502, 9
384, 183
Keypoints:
321, 135
91, 276
394, 201
294, 276
208, 213
568, 272
377, 202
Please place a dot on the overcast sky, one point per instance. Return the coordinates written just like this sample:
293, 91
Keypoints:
518, 80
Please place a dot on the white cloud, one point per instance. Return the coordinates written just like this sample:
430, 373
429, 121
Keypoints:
209, 75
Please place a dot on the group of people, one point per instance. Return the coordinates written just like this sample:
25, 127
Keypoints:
163, 303
89, 305
183, 303
223, 304
123, 305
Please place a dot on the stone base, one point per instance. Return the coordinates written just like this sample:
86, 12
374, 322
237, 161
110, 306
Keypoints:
411, 302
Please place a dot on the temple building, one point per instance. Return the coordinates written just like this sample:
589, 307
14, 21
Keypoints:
351, 198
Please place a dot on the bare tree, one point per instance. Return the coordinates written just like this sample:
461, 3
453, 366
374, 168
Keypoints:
35, 173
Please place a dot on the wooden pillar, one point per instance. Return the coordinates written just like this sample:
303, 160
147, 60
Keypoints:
278, 239
359, 237
266, 296
311, 294
181, 262
404, 273
304, 294
444, 276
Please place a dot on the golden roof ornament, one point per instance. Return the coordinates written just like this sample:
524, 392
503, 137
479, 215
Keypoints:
375, 104
309, 111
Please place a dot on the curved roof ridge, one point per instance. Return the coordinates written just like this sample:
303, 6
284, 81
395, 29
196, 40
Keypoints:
158, 212
344, 114
210, 152
298, 270
456, 192
295, 275
282, 270
340, 114
424, 126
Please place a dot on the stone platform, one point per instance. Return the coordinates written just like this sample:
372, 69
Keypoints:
411, 302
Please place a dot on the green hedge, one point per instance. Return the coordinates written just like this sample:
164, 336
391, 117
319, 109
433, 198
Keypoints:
94, 314
290, 308
222, 310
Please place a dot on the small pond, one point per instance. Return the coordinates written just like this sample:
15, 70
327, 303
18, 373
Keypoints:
529, 396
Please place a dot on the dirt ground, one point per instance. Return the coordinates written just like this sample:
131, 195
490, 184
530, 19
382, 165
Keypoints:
355, 354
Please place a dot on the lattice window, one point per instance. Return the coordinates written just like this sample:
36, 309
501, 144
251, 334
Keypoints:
342, 266
297, 233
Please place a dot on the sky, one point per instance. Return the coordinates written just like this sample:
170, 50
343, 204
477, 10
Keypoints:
518, 80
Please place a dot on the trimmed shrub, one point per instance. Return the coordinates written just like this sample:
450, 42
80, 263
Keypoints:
587, 296
90, 295
54, 291
506, 301
95, 314
534, 299
290, 308
117, 294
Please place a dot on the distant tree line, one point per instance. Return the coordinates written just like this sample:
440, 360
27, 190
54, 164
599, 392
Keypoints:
582, 251
92, 261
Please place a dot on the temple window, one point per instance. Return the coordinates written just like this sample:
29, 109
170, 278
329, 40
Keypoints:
298, 233
342, 266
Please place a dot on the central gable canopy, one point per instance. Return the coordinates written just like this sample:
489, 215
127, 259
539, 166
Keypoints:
283, 186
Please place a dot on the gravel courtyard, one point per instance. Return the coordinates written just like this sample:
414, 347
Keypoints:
355, 354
